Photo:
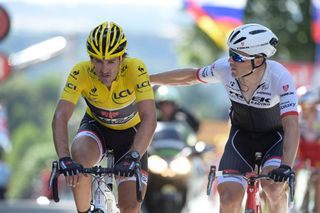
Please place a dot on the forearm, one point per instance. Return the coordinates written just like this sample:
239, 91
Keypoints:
60, 121
60, 136
145, 132
291, 143
185, 76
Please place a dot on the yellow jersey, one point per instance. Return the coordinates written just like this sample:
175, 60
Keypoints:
116, 107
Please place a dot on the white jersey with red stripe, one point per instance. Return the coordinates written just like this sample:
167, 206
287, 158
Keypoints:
275, 96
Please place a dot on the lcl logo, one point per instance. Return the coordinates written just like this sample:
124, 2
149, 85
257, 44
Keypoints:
122, 94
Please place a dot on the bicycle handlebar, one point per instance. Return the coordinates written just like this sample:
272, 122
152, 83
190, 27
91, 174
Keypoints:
97, 170
213, 174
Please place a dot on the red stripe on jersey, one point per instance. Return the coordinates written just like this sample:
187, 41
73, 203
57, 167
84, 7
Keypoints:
289, 113
198, 78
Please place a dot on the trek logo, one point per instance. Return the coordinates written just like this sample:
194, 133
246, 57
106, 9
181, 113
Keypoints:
71, 86
236, 95
260, 101
142, 71
122, 94
143, 84
74, 74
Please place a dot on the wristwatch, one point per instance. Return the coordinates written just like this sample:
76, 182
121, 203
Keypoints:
135, 155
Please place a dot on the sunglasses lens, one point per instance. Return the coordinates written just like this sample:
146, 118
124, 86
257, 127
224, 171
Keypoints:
235, 56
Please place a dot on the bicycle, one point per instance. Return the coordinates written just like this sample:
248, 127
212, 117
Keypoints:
253, 200
103, 192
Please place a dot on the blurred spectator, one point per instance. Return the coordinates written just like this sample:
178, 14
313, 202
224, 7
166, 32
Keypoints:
4, 175
169, 108
309, 148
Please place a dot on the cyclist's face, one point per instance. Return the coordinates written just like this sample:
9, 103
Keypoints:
167, 109
106, 70
240, 63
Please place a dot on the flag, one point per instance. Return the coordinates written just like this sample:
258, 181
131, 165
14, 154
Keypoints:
217, 18
315, 27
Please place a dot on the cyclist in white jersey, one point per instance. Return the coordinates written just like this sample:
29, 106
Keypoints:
263, 114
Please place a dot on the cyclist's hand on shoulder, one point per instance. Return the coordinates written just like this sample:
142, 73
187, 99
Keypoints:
69, 167
127, 164
281, 174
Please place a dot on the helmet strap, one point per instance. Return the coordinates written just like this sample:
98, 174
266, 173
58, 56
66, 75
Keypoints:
254, 67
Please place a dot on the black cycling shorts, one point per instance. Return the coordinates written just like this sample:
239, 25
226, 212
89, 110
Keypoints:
120, 141
239, 153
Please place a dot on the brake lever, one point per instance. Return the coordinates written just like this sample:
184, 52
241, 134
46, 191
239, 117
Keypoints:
53, 182
137, 172
211, 176
291, 187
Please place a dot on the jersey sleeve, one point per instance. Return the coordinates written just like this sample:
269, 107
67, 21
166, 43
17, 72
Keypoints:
73, 87
213, 73
139, 77
288, 97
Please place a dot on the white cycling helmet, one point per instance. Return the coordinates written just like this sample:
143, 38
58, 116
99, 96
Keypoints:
253, 39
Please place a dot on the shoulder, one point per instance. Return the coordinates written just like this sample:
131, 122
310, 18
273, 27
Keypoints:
83, 64
133, 66
281, 78
133, 62
84, 68
277, 70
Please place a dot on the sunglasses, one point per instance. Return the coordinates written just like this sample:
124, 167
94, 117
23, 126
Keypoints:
238, 58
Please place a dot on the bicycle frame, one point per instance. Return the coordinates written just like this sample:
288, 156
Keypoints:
253, 202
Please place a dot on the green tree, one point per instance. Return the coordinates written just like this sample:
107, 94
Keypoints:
290, 21
30, 104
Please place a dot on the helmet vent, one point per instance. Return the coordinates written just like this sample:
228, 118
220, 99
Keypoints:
239, 40
233, 35
121, 47
256, 32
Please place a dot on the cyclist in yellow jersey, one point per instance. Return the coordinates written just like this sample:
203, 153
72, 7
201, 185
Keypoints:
120, 115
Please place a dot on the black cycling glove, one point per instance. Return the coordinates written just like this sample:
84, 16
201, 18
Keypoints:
127, 164
281, 174
69, 167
